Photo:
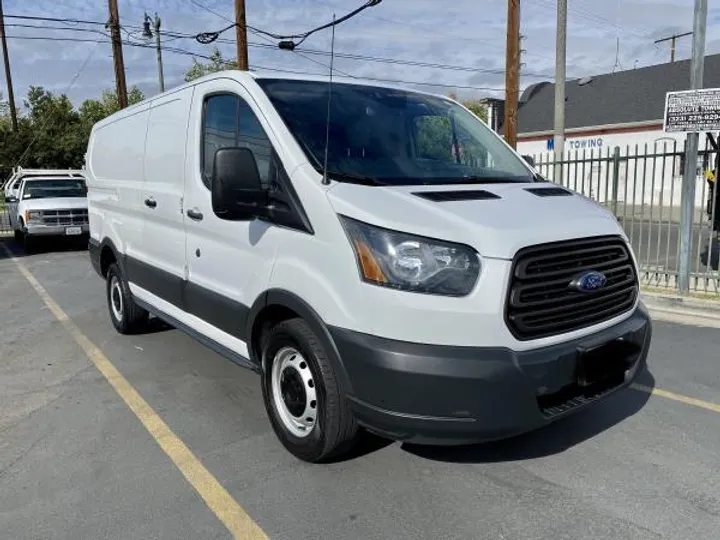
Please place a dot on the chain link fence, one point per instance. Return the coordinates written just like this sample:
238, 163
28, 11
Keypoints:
642, 186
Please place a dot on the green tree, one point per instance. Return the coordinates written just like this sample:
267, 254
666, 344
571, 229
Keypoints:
216, 63
94, 110
52, 134
478, 108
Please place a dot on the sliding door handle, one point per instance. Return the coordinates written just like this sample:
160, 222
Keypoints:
150, 202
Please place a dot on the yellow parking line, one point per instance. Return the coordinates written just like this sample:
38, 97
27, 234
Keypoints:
212, 492
714, 407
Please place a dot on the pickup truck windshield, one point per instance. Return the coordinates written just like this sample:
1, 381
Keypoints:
392, 137
60, 187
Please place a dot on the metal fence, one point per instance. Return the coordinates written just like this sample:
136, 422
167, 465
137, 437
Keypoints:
5, 229
642, 187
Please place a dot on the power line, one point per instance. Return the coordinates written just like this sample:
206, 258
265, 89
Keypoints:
444, 35
53, 19
591, 17
398, 61
185, 52
72, 83
273, 46
437, 85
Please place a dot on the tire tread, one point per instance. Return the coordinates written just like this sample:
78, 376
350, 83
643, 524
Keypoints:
341, 428
135, 318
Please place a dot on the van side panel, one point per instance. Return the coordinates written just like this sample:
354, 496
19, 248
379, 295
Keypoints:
114, 178
163, 243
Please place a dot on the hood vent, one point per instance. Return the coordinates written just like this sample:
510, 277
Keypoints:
550, 192
449, 196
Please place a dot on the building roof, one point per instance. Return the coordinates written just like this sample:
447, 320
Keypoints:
624, 97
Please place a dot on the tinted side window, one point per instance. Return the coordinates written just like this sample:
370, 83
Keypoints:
251, 135
219, 129
229, 122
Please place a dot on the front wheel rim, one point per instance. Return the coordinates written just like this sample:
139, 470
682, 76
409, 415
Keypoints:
294, 392
116, 299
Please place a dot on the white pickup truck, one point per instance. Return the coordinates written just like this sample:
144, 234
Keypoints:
48, 206
11, 187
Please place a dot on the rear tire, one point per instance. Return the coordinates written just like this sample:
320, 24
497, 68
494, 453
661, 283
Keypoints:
19, 237
127, 317
307, 410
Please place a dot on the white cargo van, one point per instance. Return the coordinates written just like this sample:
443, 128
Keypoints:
398, 268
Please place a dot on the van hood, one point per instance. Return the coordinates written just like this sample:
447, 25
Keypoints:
496, 219
56, 203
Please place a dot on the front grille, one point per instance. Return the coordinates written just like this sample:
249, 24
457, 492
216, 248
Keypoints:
65, 217
540, 300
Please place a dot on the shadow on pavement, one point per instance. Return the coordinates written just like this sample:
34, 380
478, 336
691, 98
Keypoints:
550, 440
368, 444
42, 246
155, 326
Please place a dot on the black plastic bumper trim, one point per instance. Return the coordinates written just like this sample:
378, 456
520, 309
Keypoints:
444, 394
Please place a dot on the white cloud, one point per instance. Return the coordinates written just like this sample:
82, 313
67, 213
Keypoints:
462, 32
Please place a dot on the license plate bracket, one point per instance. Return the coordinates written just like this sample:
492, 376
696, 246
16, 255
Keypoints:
73, 231
596, 365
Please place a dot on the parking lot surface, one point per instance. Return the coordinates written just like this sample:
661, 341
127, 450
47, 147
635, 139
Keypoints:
77, 461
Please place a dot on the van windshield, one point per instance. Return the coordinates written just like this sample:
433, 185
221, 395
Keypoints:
392, 137
60, 187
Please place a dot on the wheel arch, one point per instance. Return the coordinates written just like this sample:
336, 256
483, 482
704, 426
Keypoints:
108, 253
276, 305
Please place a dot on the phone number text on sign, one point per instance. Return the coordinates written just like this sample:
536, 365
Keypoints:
692, 111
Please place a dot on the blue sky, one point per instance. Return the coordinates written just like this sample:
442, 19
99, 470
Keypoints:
463, 33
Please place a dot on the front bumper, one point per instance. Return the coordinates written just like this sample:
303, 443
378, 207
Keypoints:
55, 230
434, 394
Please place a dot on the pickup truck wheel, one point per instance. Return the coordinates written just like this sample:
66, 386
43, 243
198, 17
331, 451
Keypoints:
19, 237
126, 316
307, 411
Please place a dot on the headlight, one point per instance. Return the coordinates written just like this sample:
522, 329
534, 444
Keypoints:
33, 216
411, 263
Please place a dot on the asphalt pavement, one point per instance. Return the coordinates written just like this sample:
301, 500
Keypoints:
76, 462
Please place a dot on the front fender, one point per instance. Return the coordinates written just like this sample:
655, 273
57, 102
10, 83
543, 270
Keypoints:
286, 299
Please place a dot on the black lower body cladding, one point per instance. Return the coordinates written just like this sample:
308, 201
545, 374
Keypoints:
432, 394
443, 394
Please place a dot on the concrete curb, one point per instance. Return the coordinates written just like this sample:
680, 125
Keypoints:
683, 310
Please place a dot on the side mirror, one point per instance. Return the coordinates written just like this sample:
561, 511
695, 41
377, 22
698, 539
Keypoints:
237, 193
11, 198
530, 160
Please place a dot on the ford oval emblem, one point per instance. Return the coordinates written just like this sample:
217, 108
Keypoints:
588, 282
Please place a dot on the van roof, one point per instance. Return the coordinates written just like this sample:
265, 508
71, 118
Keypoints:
244, 76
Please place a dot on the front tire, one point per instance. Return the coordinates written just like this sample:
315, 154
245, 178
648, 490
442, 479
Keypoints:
302, 397
126, 316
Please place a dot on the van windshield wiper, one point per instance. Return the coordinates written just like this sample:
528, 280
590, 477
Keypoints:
475, 180
353, 178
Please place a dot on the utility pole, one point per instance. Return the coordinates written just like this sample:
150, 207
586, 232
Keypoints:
6, 59
147, 34
672, 40
687, 210
114, 24
512, 72
241, 32
560, 62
